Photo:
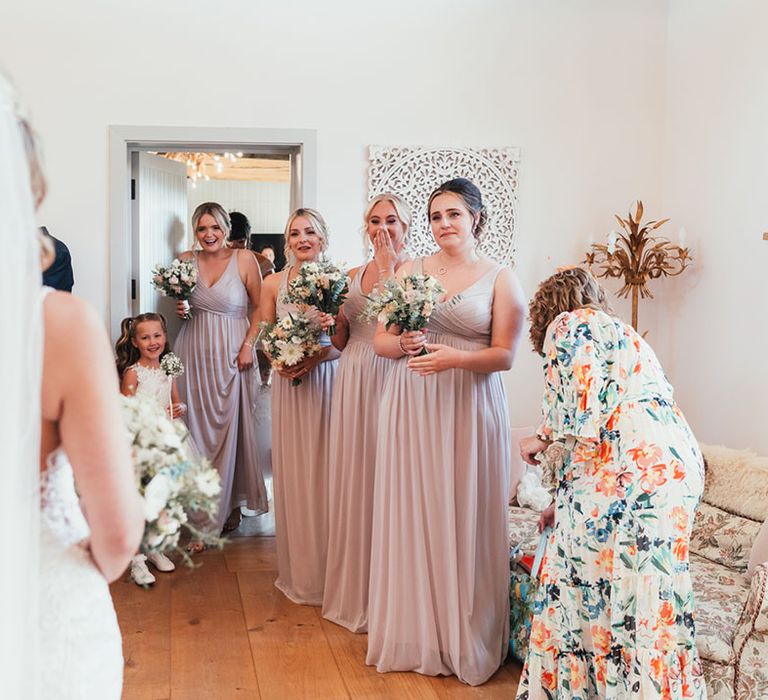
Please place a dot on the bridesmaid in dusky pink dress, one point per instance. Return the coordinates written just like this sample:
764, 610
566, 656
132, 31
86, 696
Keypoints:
354, 421
216, 347
438, 597
300, 423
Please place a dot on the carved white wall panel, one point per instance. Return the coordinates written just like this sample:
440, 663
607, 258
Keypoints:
413, 173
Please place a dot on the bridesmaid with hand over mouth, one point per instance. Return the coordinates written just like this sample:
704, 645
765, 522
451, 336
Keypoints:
300, 423
439, 589
354, 420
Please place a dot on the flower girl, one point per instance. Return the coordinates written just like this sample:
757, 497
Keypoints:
142, 363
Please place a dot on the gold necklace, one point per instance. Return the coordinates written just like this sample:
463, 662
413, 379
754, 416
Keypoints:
443, 270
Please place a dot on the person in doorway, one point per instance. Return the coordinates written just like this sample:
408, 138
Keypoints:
216, 347
59, 275
239, 238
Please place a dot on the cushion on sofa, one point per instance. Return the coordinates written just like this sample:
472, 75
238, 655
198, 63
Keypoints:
721, 594
522, 524
737, 481
721, 537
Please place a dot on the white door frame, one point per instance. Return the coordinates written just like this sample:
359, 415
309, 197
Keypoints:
123, 140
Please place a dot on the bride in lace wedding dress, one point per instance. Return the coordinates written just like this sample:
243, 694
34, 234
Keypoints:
61, 427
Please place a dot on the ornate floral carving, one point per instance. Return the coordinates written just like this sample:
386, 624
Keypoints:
413, 173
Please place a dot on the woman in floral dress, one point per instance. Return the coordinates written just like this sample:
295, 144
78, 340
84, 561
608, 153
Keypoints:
615, 611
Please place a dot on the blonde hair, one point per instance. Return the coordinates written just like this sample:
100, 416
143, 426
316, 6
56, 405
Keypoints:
566, 290
402, 210
215, 210
37, 184
317, 222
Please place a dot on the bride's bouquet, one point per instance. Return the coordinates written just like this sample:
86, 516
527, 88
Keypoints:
406, 303
177, 280
170, 482
290, 340
321, 284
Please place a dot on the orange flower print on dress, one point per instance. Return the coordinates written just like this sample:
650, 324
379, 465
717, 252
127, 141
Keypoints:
680, 549
539, 636
601, 639
614, 616
645, 455
680, 517
653, 477
667, 613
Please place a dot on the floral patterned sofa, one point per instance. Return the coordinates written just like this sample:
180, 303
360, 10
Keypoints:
732, 608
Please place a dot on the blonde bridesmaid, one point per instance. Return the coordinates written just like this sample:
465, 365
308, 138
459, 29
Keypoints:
438, 597
300, 424
354, 418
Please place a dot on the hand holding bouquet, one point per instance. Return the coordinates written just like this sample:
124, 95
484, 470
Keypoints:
177, 280
321, 284
169, 481
289, 341
406, 303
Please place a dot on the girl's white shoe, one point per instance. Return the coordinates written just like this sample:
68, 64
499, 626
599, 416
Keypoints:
140, 574
161, 562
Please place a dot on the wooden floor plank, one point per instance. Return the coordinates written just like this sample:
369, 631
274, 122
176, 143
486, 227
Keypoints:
255, 554
501, 686
210, 652
363, 681
223, 631
145, 623
290, 650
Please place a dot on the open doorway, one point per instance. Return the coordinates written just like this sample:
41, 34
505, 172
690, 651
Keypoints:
158, 175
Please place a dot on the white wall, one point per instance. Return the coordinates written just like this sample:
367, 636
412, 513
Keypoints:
715, 319
577, 85
266, 204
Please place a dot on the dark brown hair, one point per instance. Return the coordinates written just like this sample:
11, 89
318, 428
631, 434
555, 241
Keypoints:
472, 198
127, 353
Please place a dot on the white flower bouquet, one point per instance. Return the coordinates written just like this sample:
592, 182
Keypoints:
177, 280
172, 365
406, 303
170, 482
290, 340
321, 284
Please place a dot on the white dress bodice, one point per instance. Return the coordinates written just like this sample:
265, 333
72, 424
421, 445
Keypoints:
153, 382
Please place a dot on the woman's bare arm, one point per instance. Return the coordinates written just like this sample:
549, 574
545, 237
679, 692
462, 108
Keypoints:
80, 395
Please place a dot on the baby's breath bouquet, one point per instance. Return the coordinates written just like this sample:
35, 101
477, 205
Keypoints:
321, 284
290, 340
177, 280
171, 483
172, 365
406, 303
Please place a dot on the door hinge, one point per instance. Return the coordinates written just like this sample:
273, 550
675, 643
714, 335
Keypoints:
133, 189
133, 290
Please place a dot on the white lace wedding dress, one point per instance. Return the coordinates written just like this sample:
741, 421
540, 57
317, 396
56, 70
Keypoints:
80, 645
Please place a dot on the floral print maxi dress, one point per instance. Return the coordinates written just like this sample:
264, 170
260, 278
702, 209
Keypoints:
614, 615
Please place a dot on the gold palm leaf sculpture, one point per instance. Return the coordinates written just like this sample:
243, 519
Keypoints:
637, 256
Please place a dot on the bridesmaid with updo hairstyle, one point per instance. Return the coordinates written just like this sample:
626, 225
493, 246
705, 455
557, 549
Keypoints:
354, 420
439, 588
300, 425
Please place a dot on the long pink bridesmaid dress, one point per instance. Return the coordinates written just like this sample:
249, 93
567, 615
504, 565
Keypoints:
354, 421
219, 396
439, 590
300, 425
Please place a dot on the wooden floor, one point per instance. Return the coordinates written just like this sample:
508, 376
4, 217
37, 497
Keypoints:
223, 631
